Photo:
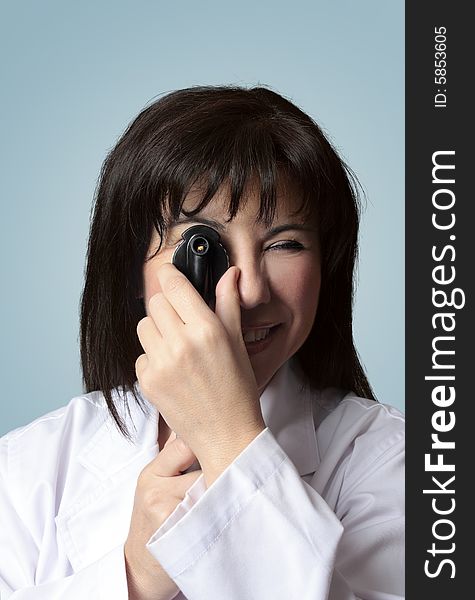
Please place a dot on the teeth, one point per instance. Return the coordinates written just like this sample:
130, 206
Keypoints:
256, 335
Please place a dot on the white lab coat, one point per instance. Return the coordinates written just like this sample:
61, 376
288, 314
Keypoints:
311, 509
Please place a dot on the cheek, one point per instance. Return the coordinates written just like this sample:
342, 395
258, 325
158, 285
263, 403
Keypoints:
297, 285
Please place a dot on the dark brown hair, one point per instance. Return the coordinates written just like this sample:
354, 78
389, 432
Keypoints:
215, 134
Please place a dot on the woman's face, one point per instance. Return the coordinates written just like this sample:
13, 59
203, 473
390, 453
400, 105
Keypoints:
280, 275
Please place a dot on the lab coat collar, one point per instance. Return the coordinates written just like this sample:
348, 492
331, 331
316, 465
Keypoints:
289, 410
115, 464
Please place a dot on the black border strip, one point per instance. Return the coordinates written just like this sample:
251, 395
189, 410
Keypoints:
439, 124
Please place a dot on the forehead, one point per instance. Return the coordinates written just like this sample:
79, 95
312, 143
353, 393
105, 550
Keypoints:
288, 201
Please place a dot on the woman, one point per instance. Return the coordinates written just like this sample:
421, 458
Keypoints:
237, 453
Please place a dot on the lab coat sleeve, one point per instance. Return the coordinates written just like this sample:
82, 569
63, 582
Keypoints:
260, 532
19, 555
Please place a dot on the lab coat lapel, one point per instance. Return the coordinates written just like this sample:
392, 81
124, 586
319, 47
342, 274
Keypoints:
99, 521
288, 411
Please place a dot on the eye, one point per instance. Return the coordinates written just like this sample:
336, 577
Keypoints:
173, 238
292, 245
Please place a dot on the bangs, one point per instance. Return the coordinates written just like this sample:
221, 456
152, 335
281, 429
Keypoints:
242, 167
239, 144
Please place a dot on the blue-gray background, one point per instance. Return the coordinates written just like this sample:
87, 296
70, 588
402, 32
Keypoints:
74, 74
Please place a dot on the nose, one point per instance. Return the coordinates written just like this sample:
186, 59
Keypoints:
253, 284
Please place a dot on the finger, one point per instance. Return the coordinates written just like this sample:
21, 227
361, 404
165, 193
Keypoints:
164, 315
185, 299
175, 457
228, 305
171, 438
140, 365
148, 334
175, 487
182, 483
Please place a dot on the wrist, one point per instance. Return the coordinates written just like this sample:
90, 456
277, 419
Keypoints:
221, 454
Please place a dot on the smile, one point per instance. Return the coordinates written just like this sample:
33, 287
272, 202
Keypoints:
257, 339
255, 335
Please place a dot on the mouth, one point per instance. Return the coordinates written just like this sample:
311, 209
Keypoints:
259, 338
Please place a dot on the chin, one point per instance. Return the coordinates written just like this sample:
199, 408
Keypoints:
264, 371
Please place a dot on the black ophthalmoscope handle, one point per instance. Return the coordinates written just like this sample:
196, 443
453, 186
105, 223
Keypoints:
203, 259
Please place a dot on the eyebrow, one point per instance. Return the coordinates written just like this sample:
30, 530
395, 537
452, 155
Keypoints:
289, 227
210, 222
221, 228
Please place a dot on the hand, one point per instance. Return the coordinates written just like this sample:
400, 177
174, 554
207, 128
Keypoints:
160, 488
196, 369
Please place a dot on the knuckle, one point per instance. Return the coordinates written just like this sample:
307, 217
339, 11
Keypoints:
141, 363
209, 333
148, 489
153, 501
180, 349
165, 509
142, 325
143, 480
142, 491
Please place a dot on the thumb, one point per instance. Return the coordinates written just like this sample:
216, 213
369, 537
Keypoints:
174, 458
228, 304
172, 437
